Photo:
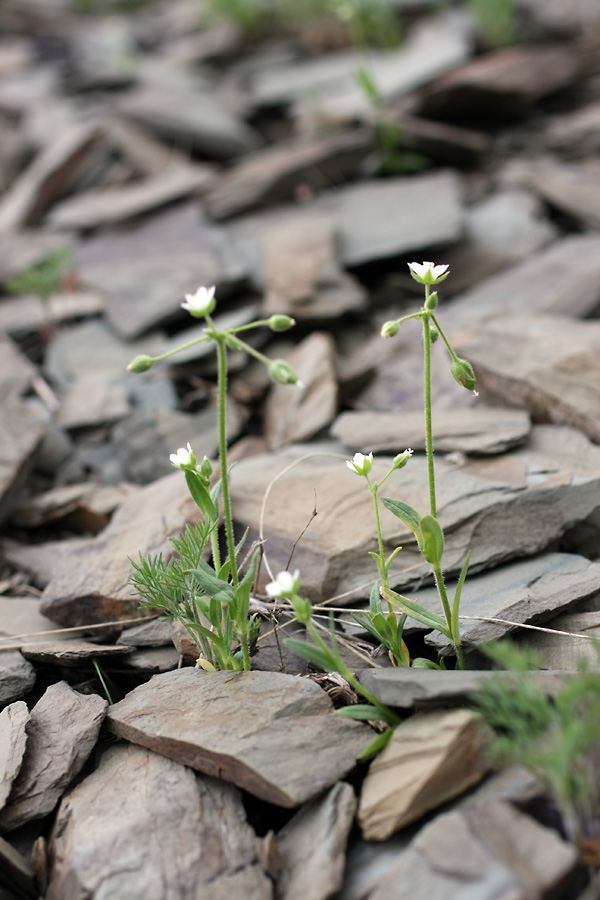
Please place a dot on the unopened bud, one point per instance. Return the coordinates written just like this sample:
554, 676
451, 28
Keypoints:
206, 467
302, 609
140, 364
433, 334
431, 301
402, 458
390, 329
281, 323
281, 372
463, 373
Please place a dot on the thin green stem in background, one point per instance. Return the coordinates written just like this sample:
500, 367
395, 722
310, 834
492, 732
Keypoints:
102, 681
428, 421
222, 378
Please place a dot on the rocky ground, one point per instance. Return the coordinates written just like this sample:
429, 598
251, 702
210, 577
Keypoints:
161, 150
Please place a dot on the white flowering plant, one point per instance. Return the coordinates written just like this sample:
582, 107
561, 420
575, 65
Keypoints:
211, 599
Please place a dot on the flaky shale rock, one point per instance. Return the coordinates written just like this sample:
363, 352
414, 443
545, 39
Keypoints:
142, 827
61, 733
13, 738
429, 759
273, 735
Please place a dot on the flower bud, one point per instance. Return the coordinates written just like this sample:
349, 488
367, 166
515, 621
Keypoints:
360, 464
302, 609
431, 301
390, 329
402, 458
433, 334
281, 372
140, 364
281, 323
206, 468
462, 372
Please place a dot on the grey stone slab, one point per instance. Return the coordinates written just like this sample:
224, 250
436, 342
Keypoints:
26, 314
210, 722
92, 402
91, 584
61, 733
495, 853
563, 652
27, 248
13, 738
71, 652
530, 591
17, 676
152, 660
312, 846
22, 430
144, 274
16, 372
500, 508
424, 688
142, 826
156, 632
572, 188
563, 17
576, 132
546, 364
478, 430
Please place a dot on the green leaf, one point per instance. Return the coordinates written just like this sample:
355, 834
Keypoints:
367, 623
416, 611
381, 741
315, 655
375, 599
366, 713
215, 587
406, 514
201, 496
421, 663
457, 593
433, 540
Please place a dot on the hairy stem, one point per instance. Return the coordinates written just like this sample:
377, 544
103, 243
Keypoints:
222, 376
428, 422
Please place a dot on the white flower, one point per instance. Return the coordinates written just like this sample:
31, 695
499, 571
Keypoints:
201, 303
360, 464
284, 585
183, 458
428, 272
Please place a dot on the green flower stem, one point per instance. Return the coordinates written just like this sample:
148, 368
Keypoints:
444, 338
347, 674
428, 423
200, 340
216, 553
222, 378
245, 648
374, 488
456, 643
253, 352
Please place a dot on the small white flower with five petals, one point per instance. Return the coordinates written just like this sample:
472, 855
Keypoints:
428, 272
360, 464
285, 585
183, 458
201, 303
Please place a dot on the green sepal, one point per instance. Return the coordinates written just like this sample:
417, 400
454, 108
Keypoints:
201, 495
433, 540
381, 741
416, 611
406, 514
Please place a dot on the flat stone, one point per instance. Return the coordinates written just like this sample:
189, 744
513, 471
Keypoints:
477, 430
301, 272
153, 660
85, 507
21, 432
144, 273
122, 826
41, 561
503, 81
295, 414
549, 365
273, 174
210, 722
17, 676
430, 688
500, 508
442, 142
565, 17
529, 591
564, 653
13, 738
91, 584
489, 853
26, 314
156, 632
197, 119
577, 132
312, 846
572, 188
61, 733
48, 177
92, 402
71, 652
429, 759
26, 249
108, 206
16, 372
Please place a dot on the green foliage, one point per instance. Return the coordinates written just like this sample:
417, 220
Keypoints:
44, 279
553, 737
92, 6
385, 629
496, 20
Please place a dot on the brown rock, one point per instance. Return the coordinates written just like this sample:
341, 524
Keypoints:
477, 430
61, 733
429, 759
71, 652
17, 676
149, 827
91, 584
549, 365
13, 738
489, 853
295, 414
210, 722
312, 846
85, 507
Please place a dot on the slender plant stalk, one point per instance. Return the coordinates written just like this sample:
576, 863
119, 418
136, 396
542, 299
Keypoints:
222, 363
428, 420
